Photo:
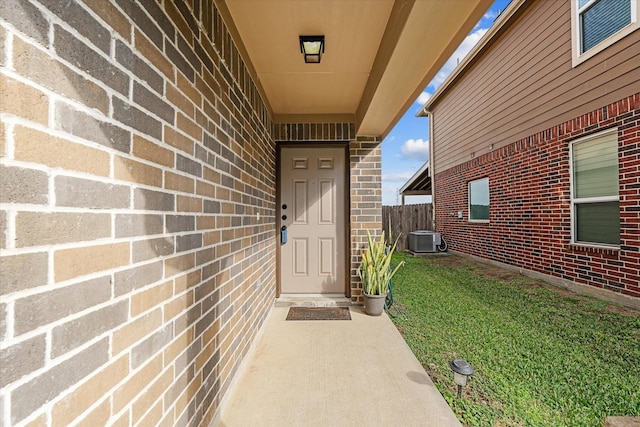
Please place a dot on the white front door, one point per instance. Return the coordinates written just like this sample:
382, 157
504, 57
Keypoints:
312, 211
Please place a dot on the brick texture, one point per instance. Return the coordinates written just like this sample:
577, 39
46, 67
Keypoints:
112, 17
365, 164
314, 132
18, 185
44, 308
21, 359
86, 193
38, 147
32, 62
86, 126
530, 212
27, 18
137, 216
36, 228
3, 227
136, 153
23, 271
83, 260
31, 395
74, 333
23, 100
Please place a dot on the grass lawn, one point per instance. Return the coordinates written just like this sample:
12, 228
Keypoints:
542, 356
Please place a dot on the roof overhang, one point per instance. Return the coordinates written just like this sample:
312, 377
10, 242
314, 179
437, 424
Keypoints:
419, 183
379, 54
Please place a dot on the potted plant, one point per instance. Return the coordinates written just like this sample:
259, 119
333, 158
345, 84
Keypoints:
375, 273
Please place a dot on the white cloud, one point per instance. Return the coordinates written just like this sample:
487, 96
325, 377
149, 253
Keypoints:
423, 98
415, 149
460, 53
492, 14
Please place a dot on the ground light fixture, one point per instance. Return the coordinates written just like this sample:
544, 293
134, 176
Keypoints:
461, 371
312, 47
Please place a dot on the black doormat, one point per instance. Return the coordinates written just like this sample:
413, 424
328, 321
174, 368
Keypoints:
319, 313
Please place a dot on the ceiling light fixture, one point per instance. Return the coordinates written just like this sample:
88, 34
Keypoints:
312, 47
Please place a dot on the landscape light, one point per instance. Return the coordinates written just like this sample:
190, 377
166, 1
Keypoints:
461, 371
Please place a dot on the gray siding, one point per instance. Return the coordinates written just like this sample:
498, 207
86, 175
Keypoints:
523, 83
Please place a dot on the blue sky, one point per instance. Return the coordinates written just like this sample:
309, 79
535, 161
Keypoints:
406, 148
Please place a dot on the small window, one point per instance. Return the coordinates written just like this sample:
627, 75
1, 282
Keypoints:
479, 200
597, 24
594, 190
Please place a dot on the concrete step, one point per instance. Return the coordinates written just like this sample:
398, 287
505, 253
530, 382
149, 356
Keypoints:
313, 300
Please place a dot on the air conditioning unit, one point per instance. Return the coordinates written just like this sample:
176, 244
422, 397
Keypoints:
421, 241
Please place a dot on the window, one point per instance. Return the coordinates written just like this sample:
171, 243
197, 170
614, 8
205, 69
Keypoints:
597, 24
595, 211
479, 200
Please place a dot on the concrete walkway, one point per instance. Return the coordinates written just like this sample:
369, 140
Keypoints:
333, 373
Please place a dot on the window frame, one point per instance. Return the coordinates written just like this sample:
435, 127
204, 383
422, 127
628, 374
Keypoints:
579, 57
486, 178
584, 200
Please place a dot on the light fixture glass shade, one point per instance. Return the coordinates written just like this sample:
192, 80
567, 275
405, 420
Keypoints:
460, 379
312, 59
461, 371
312, 47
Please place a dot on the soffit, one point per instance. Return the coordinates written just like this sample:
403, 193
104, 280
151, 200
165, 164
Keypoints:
419, 183
379, 54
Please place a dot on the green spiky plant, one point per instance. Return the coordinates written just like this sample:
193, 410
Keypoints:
375, 270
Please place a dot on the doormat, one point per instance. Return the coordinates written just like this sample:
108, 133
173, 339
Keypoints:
319, 313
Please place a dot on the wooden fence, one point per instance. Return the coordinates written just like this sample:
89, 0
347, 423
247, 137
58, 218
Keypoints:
405, 219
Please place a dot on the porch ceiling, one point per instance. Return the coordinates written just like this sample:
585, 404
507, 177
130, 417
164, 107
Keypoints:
379, 56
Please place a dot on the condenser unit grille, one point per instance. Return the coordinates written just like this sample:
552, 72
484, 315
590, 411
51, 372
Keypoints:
424, 241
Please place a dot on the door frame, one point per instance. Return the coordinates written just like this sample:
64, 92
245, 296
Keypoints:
346, 213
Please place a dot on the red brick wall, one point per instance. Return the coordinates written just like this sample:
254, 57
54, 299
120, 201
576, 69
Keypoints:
530, 212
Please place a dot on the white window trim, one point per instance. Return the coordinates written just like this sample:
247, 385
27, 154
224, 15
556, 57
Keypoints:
576, 57
583, 200
469, 201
